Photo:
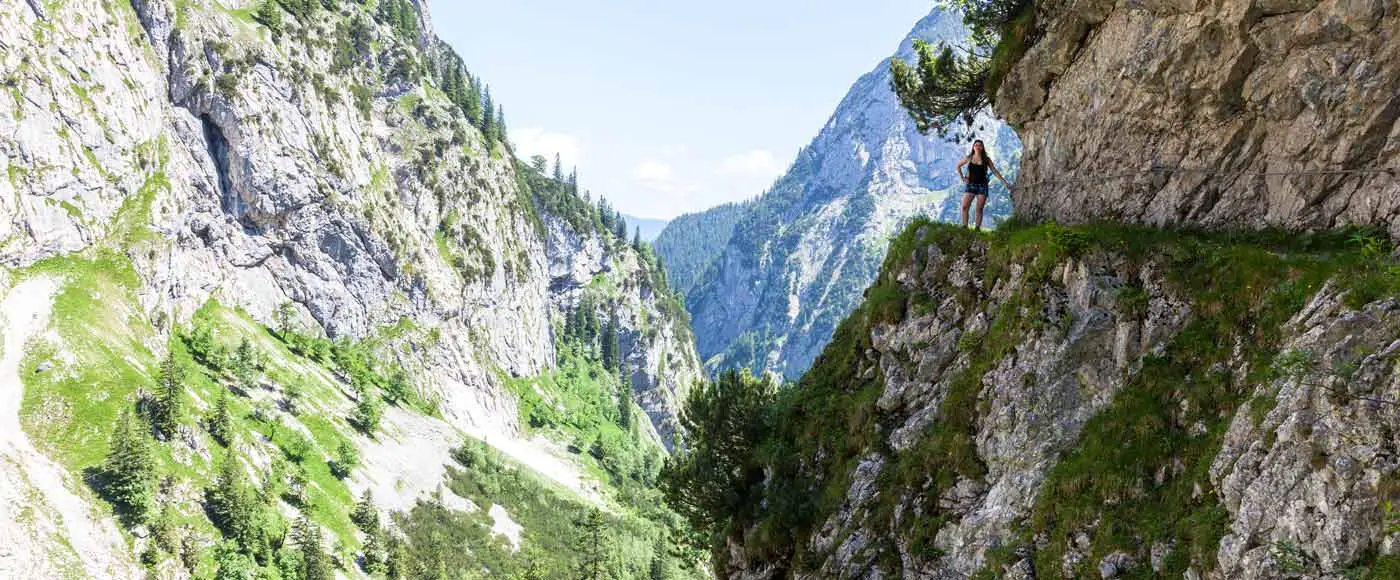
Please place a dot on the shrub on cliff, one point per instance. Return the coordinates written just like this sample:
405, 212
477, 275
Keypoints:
718, 476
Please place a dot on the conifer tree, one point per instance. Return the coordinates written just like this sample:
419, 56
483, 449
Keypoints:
474, 98
367, 414
573, 183
592, 546
624, 406
231, 504
129, 471
314, 563
346, 458
620, 229
658, 561
500, 127
165, 407
221, 421
488, 122
366, 516
637, 238
558, 169
609, 345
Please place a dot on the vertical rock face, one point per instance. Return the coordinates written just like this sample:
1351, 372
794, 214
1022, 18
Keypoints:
799, 256
1060, 403
322, 166
1242, 96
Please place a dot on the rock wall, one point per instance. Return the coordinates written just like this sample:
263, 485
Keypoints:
1238, 95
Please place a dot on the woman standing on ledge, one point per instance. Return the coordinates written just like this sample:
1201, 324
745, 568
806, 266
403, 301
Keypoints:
977, 180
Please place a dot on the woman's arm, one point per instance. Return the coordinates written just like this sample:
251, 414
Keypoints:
997, 172
961, 163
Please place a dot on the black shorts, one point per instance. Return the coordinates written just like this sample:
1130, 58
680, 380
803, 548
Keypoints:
977, 189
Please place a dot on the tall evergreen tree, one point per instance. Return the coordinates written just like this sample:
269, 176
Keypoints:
165, 406
366, 516
558, 169
637, 238
592, 546
488, 122
501, 126
314, 563
474, 97
573, 183
129, 471
610, 345
231, 504
221, 420
624, 405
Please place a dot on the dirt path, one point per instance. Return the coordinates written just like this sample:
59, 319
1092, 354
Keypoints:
46, 530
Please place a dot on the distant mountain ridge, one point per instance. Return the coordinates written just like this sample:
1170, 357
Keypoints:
801, 254
690, 243
649, 227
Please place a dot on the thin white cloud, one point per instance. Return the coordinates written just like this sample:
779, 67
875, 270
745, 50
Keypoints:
756, 163
533, 141
652, 172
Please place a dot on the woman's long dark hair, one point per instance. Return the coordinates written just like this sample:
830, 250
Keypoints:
986, 157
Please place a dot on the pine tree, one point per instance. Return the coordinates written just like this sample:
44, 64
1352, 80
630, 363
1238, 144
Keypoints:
230, 503
314, 563
637, 238
591, 545
245, 364
609, 345
620, 228
129, 471
165, 408
658, 560
366, 516
624, 406
346, 458
474, 98
500, 127
376, 559
558, 169
221, 421
488, 122
573, 182
285, 318
367, 414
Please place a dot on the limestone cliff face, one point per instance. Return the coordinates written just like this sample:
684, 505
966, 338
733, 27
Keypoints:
322, 166
1067, 408
1248, 91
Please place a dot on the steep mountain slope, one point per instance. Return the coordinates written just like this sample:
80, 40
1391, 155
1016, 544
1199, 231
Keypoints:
690, 243
311, 180
801, 254
1108, 401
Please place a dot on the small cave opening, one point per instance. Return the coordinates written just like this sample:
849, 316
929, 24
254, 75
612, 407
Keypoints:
218, 152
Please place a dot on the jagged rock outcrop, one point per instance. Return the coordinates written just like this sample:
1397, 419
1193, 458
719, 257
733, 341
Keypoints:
1058, 403
799, 256
320, 165
1239, 94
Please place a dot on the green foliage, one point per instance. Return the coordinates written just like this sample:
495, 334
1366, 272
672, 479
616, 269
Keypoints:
315, 564
715, 480
233, 564
269, 14
592, 545
166, 408
347, 456
368, 412
690, 243
238, 513
948, 85
366, 516
128, 475
221, 420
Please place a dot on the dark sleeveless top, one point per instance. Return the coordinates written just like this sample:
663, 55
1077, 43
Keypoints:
976, 174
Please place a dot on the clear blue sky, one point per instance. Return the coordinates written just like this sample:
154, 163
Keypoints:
665, 106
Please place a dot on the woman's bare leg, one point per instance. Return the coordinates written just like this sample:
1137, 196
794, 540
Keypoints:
967, 202
981, 203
